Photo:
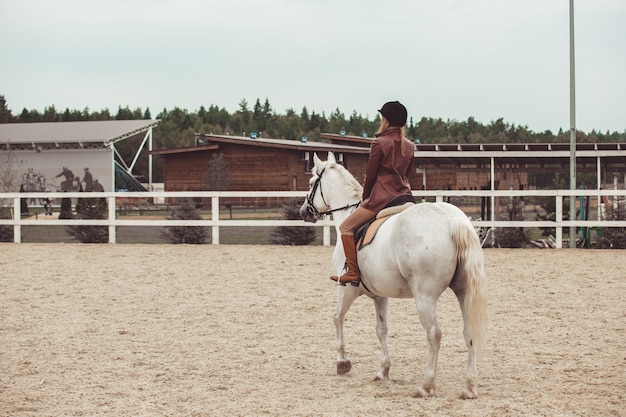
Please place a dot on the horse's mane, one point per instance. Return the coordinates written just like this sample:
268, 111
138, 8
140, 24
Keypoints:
350, 184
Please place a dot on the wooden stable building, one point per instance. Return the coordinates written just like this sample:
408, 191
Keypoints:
264, 164
255, 164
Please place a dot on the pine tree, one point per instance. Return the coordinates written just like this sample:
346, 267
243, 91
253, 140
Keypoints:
217, 177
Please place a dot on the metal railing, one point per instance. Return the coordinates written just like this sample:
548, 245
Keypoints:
12, 201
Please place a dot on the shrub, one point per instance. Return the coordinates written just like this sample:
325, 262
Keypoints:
614, 237
90, 208
186, 210
512, 237
293, 235
66, 209
6, 232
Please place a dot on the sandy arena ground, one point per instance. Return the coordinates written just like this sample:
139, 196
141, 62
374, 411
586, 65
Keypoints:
177, 330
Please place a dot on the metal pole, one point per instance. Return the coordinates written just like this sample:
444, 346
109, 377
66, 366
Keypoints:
572, 130
150, 160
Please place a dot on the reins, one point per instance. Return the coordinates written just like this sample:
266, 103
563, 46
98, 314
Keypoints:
309, 199
346, 207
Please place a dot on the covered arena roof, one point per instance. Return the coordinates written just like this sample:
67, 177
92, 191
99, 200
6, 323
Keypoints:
99, 135
520, 153
432, 154
69, 135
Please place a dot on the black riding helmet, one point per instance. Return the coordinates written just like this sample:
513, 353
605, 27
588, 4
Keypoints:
395, 112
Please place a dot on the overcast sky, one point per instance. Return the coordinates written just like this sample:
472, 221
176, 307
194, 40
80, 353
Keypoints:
448, 59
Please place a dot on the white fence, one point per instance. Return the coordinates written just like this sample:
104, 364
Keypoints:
12, 200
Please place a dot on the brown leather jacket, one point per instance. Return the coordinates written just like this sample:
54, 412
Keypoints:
387, 171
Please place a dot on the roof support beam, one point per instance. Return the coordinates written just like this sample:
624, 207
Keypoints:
143, 142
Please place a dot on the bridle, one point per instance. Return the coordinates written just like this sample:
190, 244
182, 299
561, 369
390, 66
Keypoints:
311, 195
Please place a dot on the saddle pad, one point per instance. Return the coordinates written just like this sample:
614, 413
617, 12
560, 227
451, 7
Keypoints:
370, 232
366, 237
393, 210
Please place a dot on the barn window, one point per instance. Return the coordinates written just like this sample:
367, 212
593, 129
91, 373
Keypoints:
307, 158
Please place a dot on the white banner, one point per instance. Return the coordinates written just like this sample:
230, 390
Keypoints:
61, 170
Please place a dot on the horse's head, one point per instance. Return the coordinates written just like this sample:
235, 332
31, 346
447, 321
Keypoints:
331, 189
315, 204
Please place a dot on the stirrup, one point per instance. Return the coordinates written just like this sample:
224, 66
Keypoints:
343, 284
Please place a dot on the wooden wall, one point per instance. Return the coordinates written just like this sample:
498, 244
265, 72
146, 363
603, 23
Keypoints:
250, 168
259, 168
470, 178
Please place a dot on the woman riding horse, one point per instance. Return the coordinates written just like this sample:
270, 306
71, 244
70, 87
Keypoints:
386, 177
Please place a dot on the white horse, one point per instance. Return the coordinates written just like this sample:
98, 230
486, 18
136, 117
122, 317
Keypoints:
417, 254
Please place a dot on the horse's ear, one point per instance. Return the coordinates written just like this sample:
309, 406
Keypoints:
317, 163
331, 158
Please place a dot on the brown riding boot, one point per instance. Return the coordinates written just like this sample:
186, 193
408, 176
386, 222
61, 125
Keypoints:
353, 275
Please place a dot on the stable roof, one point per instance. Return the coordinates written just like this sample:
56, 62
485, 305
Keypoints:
348, 139
210, 141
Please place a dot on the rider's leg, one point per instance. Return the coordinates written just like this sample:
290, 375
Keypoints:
347, 228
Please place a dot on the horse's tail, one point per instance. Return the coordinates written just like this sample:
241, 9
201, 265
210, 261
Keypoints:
470, 258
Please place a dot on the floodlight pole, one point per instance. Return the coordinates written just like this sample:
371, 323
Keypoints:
572, 129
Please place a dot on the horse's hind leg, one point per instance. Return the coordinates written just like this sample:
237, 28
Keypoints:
470, 391
347, 295
382, 308
427, 310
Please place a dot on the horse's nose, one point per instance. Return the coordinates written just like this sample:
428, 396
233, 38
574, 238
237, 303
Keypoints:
303, 211
306, 214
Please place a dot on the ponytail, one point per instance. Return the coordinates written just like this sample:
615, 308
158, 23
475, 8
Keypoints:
407, 145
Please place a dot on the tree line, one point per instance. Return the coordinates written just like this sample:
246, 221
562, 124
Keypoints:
177, 126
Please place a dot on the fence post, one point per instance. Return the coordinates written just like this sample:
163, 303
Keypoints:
215, 217
559, 221
111, 207
17, 217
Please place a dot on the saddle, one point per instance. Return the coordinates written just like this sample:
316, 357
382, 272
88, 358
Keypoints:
365, 234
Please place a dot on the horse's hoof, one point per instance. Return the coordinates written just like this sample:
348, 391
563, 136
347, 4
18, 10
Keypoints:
422, 393
382, 375
468, 395
343, 367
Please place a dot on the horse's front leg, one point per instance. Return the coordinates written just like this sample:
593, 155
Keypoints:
382, 309
347, 295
